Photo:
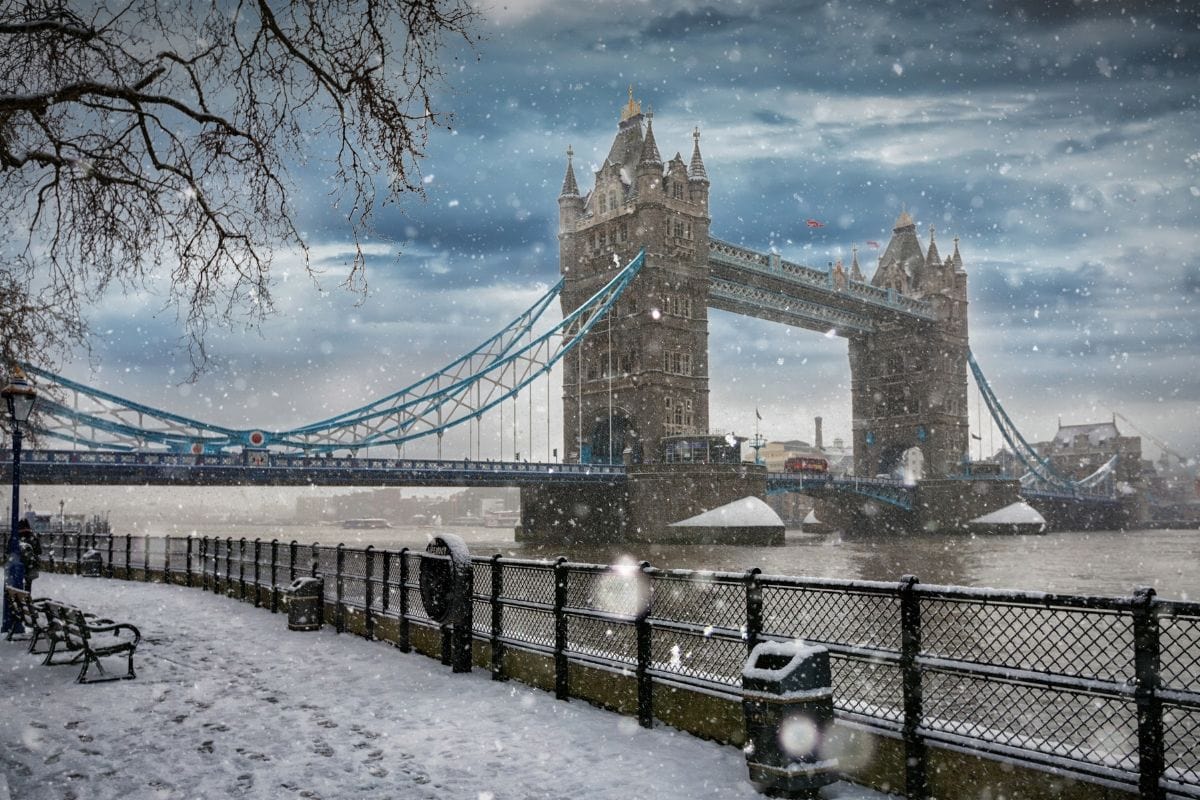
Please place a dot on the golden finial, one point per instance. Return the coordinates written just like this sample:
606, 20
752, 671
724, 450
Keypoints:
632, 109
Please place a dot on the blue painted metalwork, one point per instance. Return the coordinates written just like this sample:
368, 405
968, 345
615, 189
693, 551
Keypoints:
1049, 482
771, 264
284, 469
885, 490
465, 389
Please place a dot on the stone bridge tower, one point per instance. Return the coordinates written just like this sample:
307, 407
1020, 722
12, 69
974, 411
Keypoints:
643, 373
909, 379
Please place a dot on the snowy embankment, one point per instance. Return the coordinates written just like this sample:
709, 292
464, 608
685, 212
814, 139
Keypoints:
229, 703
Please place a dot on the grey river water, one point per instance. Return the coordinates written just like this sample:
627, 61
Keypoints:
1104, 563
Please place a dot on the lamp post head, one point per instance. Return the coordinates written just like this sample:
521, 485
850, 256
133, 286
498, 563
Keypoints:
19, 396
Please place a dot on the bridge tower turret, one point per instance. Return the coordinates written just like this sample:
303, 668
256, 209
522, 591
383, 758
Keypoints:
909, 379
643, 374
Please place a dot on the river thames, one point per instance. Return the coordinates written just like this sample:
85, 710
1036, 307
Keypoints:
1103, 563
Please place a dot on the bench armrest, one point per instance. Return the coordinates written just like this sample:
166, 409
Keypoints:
137, 635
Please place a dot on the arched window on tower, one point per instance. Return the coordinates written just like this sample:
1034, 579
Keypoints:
602, 204
612, 201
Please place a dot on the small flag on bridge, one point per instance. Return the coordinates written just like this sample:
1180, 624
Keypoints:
873, 244
976, 437
812, 223
757, 415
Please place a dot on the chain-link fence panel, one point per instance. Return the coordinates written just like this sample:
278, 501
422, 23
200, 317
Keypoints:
1181, 745
533, 584
602, 640
831, 615
522, 625
1082, 726
867, 687
1081, 642
698, 598
607, 590
354, 578
697, 657
1179, 646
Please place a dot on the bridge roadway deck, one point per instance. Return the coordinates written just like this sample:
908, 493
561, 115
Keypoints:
765, 286
263, 469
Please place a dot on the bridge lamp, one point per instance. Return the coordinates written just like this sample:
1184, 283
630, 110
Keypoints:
20, 397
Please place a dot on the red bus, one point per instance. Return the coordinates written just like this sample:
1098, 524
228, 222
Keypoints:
806, 464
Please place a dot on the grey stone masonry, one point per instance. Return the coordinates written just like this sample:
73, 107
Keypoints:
651, 354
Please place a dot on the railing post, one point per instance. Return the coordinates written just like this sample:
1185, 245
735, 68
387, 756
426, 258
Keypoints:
644, 634
257, 575
242, 569
79, 552
110, 556
204, 563
497, 646
274, 576
402, 635
369, 620
167, 560
146, 557
292, 547
128, 557
341, 560
385, 584
316, 559
228, 564
187, 576
464, 629
754, 608
1148, 678
562, 685
915, 769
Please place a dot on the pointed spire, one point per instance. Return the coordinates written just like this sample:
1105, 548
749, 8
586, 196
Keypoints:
855, 272
649, 147
632, 109
569, 188
696, 171
957, 258
904, 220
932, 256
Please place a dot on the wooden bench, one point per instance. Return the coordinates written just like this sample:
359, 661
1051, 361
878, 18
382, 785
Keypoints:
70, 629
31, 613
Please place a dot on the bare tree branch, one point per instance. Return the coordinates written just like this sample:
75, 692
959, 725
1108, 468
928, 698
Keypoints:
146, 143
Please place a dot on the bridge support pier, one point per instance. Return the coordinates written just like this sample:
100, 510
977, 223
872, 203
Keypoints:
642, 507
939, 505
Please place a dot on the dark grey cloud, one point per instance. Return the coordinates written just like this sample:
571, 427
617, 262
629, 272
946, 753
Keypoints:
1057, 139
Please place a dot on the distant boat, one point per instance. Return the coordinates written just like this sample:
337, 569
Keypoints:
501, 519
365, 522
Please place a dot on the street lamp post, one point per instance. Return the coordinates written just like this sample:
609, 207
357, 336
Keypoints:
19, 396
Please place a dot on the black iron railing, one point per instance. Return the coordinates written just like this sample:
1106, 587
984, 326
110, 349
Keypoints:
1105, 689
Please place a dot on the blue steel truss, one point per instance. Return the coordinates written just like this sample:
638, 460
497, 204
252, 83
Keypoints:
885, 490
464, 389
1041, 476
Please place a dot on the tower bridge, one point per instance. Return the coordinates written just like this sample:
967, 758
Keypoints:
643, 374
639, 273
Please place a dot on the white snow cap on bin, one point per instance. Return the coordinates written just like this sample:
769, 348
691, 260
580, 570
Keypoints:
749, 512
794, 651
1019, 513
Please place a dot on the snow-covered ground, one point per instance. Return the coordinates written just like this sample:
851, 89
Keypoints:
229, 704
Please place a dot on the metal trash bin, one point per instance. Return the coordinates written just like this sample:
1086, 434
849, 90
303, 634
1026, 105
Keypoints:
306, 604
91, 564
787, 699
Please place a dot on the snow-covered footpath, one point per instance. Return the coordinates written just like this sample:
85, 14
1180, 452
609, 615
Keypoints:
229, 703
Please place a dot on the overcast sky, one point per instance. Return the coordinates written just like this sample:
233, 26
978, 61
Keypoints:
1059, 140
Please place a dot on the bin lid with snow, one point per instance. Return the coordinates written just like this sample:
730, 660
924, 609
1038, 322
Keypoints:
786, 667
